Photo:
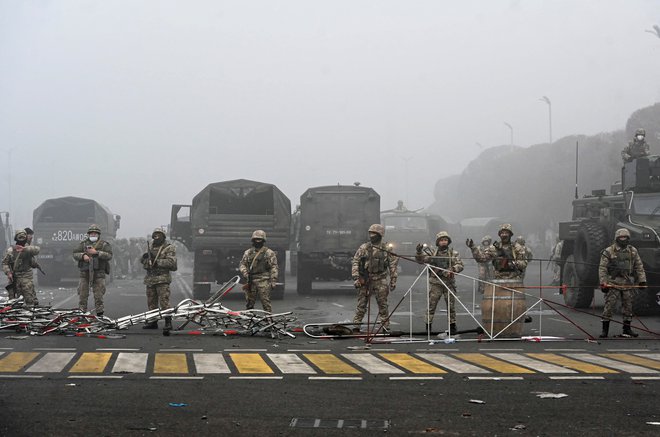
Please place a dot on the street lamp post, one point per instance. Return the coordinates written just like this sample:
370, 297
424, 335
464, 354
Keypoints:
547, 100
511, 128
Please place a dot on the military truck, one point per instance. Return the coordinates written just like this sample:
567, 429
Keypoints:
6, 238
59, 224
634, 204
218, 225
404, 229
333, 222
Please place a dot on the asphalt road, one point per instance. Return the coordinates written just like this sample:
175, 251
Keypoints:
148, 384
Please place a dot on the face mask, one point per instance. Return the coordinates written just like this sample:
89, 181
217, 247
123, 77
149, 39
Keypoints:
93, 238
158, 240
622, 242
375, 239
258, 244
442, 243
640, 137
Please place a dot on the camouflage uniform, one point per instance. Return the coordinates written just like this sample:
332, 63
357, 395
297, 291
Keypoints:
449, 262
636, 148
509, 260
555, 257
485, 267
101, 267
18, 262
374, 261
618, 269
159, 262
528, 253
259, 268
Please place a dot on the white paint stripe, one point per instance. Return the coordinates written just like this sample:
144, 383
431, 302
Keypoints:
117, 349
290, 363
495, 378
309, 350
337, 305
540, 366
54, 349
245, 350
575, 377
335, 378
210, 363
131, 294
413, 378
564, 350
437, 351
627, 350
95, 377
645, 378
131, 362
651, 356
492, 349
256, 377
180, 350
21, 376
52, 362
6, 348
625, 367
372, 364
453, 364
176, 377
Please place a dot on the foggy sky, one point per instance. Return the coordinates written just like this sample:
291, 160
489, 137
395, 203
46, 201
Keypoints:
140, 104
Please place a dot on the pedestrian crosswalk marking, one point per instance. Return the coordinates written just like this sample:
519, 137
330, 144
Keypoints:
540, 366
170, 363
52, 362
330, 364
250, 363
15, 361
634, 360
452, 364
372, 364
492, 363
291, 364
580, 366
629, 368
411, 363
91, 362
131, 362
651, 356
210, 363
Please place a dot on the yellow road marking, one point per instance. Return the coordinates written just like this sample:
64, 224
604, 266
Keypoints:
15, 361
250, 363
91, 362
634, 360
572, 364
411, 363
170, 363
330, 364
492, 363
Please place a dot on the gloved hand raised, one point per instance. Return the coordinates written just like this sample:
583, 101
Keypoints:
469, 243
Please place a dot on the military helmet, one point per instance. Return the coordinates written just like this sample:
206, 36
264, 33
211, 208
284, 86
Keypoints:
378, 229
442, 234
94, 228
258, 235
520, 240
640, 131
622, 233
157, 230
505, 227
20, 235
487, 238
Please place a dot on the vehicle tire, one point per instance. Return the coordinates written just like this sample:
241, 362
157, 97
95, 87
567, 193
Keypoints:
590, 241
576, 295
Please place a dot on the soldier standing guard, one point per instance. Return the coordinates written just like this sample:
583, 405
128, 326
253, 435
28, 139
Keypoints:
17, 264
159, 261
637, 148
485, 267
93, 256
449, 262
620, 266
371, 264
508, 258
259, 268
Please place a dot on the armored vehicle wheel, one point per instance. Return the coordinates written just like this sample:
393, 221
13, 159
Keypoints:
590, 241
577, 295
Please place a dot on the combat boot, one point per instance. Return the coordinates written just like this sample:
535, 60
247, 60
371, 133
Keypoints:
151, 325
452, 329
627, 332
606, 329
168, 324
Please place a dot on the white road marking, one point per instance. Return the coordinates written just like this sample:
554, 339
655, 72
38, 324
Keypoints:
96, 377
651, 356
177, 377
256, 377
575, 377
453, 364
21, 376
131, 362
495, 378
210, 363
290, 363
52, 362
630, 368
54, 349
335, 378
413, 378
540, 366
337, 305
372, 364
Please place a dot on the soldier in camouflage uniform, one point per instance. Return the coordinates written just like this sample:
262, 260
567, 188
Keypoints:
637, 148
370, 267
259, 268
159, 261
485, 267
17, 264
620, 266
508, 258
99, 253
528, 252
449, 262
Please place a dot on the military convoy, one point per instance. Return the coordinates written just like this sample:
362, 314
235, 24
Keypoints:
218, 225
61, 223
634, 204
332, 223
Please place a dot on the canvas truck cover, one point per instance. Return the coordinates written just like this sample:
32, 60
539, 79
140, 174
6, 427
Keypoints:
228, 212
336, 217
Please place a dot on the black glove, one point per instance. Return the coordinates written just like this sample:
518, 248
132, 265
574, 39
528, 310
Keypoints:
420, 247
145, 256
643, 285
469, 243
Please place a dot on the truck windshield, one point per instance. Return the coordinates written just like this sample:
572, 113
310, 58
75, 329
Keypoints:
405, 223
646, 205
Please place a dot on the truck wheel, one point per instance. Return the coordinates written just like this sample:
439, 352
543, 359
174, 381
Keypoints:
590, 241
576, 294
